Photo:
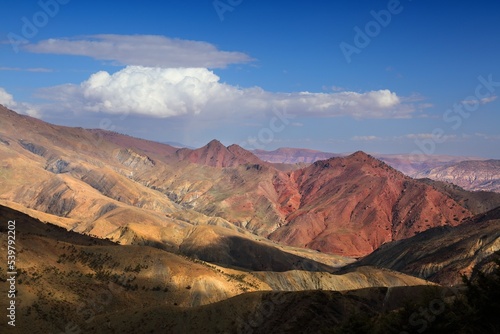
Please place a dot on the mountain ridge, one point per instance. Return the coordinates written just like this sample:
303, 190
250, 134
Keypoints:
351, 197
442, 254
475, 178
105, 179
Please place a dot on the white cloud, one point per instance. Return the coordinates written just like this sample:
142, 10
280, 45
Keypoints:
437, 137
425, 105
143, 50
420, 136
366, 138
19, 69
484, 100
333, 88
167, 92
487, 136
156, 92
8, 101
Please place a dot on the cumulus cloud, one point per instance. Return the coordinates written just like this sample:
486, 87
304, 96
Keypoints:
167, 92
156, 92
8, 101
143, 50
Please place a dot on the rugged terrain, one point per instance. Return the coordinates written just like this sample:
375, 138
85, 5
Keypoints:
470, 173
68, 282
354, 204
69, 279
121, 234
475, 201
132, 190
442, 254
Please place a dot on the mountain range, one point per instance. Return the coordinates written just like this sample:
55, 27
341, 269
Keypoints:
197, 232
106, 183
470, 173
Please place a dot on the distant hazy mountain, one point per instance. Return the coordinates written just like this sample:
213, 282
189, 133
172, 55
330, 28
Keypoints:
177, 144
471, 173
293, 155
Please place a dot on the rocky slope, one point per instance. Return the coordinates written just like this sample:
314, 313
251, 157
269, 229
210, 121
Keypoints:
442, 254
66, 278
475, 201
352, 205
198, 235
266, 312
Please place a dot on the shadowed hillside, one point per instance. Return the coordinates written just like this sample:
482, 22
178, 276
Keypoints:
442, 254
68, 279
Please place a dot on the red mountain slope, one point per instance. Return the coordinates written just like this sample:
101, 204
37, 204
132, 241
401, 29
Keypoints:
353, 205
215, 154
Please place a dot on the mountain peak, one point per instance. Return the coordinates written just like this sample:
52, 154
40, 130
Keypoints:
215, 143
215, 154
360, 155
237, 149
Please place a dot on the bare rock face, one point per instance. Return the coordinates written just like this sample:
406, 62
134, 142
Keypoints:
57, 166
54, 197
4, 142
353, 205
475, 201
131, 159
470, 175
33, 148
215, 154
442, 254
222, 205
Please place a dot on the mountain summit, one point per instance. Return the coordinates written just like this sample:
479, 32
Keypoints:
215, 154
354, 204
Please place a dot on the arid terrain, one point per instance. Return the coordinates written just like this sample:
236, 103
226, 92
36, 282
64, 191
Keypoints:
470, 173
116, 234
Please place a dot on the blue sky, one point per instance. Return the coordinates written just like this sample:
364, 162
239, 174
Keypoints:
414, 77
